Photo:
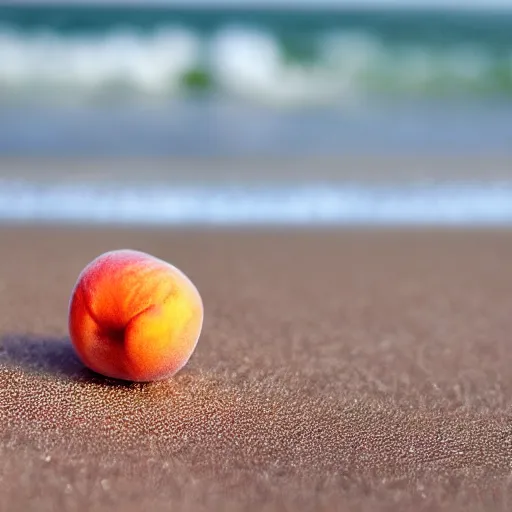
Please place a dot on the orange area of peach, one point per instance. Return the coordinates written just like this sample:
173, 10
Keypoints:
134, 317
93, 347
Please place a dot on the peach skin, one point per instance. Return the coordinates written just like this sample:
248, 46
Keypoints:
134, 317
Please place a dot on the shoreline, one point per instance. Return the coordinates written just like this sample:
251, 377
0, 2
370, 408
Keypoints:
361, 191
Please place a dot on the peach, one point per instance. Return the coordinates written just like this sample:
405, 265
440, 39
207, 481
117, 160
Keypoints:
134, 317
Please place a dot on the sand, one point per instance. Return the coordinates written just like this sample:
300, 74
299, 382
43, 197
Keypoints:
360, 169
338, 370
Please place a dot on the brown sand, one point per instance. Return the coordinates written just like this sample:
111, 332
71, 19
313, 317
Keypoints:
336, 371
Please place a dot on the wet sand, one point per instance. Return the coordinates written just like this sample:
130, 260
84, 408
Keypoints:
360, 169
338, 370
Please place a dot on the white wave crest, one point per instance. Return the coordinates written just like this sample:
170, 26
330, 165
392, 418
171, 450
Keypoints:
151, 64
238, 61
251, 63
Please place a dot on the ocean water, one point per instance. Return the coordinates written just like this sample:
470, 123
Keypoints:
273, 57
160, 80
190, 82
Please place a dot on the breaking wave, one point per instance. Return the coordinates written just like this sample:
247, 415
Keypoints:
241, 62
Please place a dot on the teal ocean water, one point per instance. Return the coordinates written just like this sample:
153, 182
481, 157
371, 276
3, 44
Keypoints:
69, 54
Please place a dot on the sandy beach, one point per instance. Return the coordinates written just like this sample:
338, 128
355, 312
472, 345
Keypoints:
337, 370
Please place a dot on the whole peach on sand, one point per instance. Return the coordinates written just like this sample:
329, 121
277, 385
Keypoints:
134, 317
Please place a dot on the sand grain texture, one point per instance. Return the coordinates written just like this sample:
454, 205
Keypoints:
337, 371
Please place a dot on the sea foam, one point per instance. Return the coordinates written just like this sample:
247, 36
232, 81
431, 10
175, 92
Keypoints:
455, 204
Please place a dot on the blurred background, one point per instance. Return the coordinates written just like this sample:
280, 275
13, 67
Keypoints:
256, 112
